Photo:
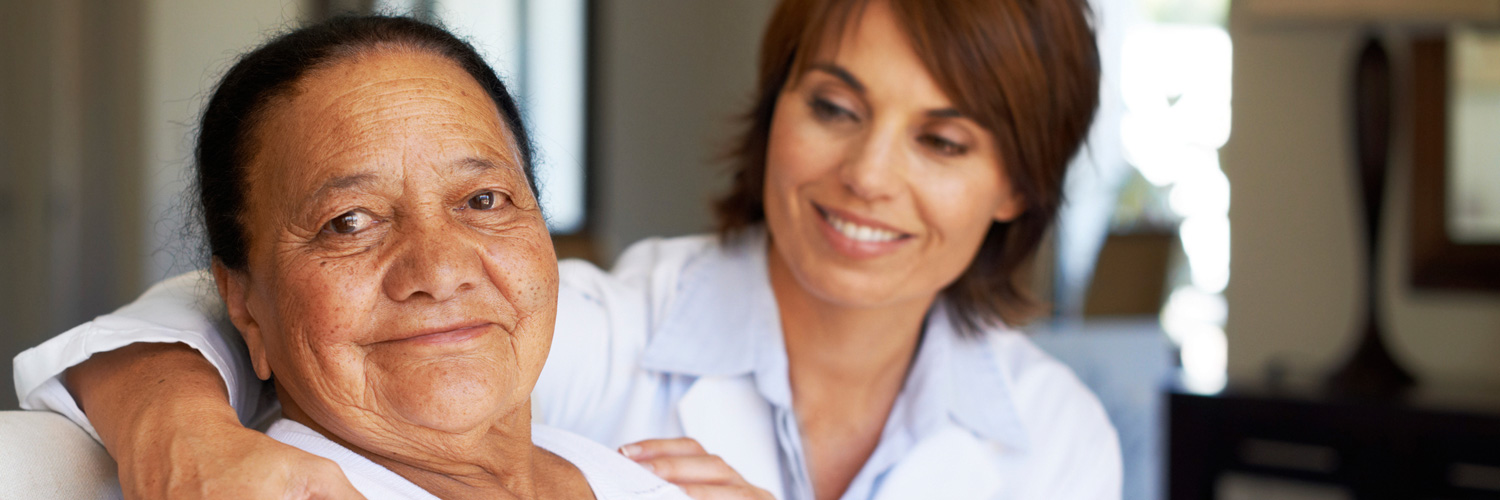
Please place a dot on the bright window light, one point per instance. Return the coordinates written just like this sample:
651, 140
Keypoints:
538, 47
1175, 83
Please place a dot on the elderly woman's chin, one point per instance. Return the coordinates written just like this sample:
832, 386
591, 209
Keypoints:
457, 394
456, 388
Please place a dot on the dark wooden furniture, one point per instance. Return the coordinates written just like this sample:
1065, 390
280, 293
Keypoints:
1436, 260
1422, 447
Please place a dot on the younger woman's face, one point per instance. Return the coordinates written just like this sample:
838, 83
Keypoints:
878, 190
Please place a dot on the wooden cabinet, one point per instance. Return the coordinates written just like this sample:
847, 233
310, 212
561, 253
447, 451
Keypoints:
1416, 448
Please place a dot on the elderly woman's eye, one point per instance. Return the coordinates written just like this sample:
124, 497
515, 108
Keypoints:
484, 201
349, 222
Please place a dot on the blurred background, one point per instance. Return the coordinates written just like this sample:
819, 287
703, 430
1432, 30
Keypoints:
1208, 273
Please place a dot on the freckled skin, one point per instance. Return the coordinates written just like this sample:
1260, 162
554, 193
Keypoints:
326, 312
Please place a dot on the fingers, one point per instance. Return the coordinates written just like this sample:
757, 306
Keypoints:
344, 491
330, 485
653, 448
683, 462
692, 469
722, 492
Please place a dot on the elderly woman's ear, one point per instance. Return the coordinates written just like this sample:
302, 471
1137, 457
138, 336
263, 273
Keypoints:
234, 288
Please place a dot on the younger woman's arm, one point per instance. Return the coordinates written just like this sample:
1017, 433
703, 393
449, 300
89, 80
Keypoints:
162, 412
154, 382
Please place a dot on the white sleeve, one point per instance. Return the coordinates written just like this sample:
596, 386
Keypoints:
184, 309
573, 383
593, 371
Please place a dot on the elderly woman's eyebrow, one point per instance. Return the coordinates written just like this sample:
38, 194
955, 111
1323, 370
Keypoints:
477, 164
347, 181
337, 183
473, 164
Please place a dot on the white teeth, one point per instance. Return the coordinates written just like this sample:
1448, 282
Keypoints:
859, 232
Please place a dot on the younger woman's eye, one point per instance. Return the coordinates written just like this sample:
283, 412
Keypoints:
349, 222
827, 110
483, 201
943, 146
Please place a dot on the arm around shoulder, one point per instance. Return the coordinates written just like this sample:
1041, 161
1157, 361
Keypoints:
591, 346
174, 326
153, 382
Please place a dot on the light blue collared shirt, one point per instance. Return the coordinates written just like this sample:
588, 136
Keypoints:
726, 323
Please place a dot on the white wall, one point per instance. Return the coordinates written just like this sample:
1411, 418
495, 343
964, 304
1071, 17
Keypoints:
69, 163
96, 120
1296, 274
672, 78
188, 46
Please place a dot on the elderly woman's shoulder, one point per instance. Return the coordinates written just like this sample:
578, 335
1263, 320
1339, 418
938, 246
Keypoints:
610, 474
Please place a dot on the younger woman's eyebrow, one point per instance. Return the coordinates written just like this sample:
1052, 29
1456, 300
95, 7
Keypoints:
840, 73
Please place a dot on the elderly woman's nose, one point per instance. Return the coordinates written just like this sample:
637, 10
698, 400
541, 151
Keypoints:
873, 166
434, 261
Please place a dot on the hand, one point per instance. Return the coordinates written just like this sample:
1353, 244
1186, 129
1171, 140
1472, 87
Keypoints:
163, 414
683, 462
234, 462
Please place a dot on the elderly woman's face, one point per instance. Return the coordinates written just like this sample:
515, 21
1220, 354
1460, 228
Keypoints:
401, 278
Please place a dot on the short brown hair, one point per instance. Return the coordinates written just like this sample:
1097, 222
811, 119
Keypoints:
1025, 70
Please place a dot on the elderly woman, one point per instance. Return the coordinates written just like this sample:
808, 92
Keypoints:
366, 189
846, 335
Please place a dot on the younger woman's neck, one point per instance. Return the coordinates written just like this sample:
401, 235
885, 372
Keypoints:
846, 366
848, 346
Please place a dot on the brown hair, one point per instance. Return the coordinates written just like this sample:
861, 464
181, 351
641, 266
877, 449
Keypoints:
1026, 70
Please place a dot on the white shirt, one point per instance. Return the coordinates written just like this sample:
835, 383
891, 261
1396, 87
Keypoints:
683, 338
612, 476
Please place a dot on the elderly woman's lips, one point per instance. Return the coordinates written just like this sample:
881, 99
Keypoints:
443, 335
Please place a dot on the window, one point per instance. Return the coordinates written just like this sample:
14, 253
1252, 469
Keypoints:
1175, 84
513, 35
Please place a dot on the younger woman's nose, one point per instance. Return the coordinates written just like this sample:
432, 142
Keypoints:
873, 167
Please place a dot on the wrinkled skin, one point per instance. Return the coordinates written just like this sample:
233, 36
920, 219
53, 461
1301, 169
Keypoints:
401, 285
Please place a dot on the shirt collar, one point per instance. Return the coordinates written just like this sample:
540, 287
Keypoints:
725, 322
722, 314
957, 377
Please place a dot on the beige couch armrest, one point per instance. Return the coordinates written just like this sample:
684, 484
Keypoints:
44, 455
